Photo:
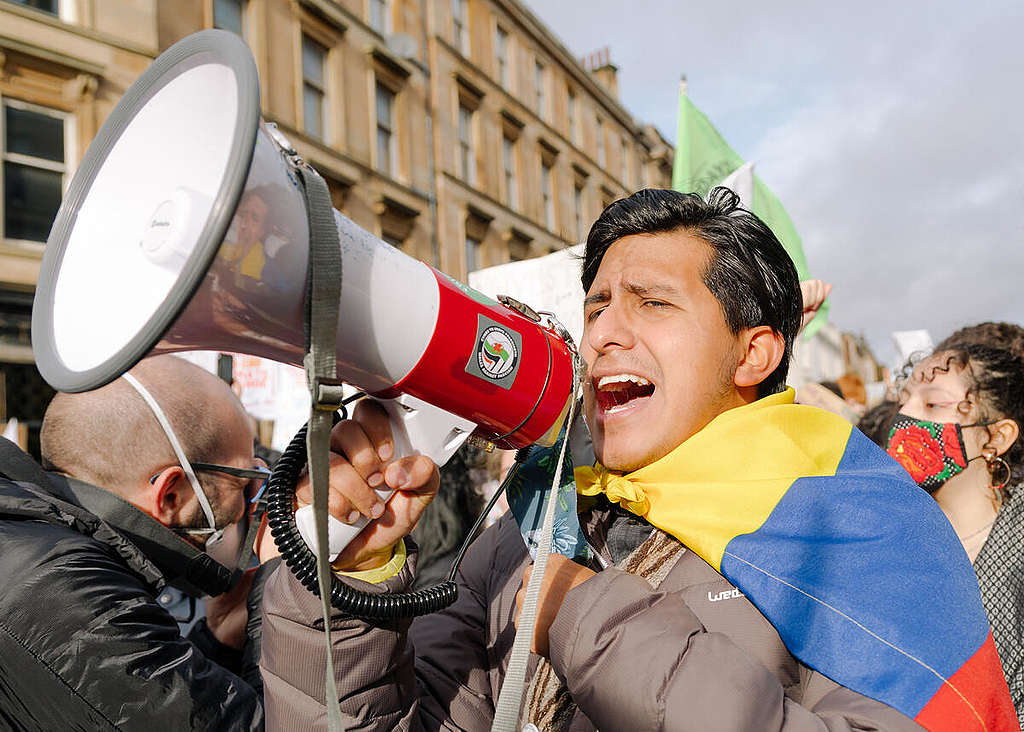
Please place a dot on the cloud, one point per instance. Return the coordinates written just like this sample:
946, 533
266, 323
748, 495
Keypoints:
890, 131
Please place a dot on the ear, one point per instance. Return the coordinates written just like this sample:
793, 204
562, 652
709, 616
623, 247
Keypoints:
1002, 435
763, 349
166, 498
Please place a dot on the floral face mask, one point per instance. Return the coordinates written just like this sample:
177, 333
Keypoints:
932, 452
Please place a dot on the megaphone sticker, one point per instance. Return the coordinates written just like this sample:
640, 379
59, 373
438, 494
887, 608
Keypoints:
497, 354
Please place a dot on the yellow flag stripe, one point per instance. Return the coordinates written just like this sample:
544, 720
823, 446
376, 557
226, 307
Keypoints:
726, 480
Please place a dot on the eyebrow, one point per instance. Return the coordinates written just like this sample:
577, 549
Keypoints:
636, 289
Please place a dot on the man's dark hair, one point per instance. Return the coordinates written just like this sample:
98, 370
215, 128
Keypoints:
749, 273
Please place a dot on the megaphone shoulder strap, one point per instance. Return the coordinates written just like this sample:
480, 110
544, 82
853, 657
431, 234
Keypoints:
323, 294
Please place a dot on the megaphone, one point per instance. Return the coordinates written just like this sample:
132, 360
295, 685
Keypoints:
185, 228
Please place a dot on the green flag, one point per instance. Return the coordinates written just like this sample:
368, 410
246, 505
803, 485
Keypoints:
704, 159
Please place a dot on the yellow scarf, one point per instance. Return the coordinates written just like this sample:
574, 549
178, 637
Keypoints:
727, 478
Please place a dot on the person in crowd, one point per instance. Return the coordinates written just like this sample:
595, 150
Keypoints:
691, 310
812, 295
89, 544
828, 396
973, 387
876, 422
251, 226
957, 430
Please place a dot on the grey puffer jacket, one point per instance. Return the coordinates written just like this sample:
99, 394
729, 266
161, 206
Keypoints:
693, 655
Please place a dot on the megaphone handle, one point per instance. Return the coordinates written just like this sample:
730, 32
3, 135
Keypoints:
339, 534
417, 428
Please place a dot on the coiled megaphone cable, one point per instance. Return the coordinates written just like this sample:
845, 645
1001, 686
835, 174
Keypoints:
302, 561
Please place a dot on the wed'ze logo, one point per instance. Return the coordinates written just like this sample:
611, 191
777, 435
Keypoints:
497, 354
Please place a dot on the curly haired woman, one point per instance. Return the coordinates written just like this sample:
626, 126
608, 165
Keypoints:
957, 433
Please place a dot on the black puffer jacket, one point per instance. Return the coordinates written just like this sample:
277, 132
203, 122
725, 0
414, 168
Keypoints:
83, 642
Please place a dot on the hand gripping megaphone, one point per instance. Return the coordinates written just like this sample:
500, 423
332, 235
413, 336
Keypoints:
185, 228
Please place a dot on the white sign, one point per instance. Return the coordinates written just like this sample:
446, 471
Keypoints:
909, 342
549, 283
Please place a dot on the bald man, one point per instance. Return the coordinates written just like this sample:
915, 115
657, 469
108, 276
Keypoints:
142, 476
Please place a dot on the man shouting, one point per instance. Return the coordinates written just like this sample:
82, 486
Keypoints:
749, 558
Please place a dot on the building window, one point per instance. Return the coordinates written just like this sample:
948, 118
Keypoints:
538, 83
34, 167
467, 161
625, 161
314, 111
607, 198
47, 6
392, 240
571, 114
460, 26
577, 201
602, 157
474, 254
380, 16
229, 15
501, 56
508, 161
547, 195
385, 130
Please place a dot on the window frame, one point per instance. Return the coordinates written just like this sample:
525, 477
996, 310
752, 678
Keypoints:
547, 193
322, 90
64, 168
384, 26
467, 144
392, 168
539, 88
571, 115
501, 57
578, 190
243, 14
460, 26
54, 13
476, 246
510, 171
624, 153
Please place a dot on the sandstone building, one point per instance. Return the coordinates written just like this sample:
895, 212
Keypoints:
461, 131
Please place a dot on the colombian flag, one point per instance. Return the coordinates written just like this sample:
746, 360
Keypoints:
857, 568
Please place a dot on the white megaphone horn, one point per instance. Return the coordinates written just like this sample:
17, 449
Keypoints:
185, 229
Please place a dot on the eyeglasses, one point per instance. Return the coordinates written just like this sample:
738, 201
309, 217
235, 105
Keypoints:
256, 472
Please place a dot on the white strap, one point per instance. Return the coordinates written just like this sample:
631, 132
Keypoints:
176, 446
510, 698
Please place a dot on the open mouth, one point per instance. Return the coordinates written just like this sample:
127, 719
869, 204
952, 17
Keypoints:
619, 392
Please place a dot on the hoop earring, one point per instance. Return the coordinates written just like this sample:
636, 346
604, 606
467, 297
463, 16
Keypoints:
990, 461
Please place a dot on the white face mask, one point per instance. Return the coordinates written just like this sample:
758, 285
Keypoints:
225, 545
213, 532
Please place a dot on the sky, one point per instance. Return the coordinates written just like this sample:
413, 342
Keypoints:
892, 132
